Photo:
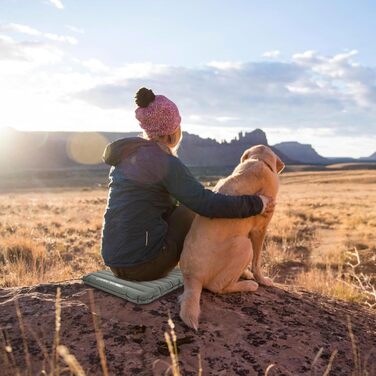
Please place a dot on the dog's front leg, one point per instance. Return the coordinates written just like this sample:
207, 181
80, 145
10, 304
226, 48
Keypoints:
257, 238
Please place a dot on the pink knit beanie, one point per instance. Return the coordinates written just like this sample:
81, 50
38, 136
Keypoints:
158, 116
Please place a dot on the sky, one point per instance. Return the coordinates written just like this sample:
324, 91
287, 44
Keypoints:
301, 70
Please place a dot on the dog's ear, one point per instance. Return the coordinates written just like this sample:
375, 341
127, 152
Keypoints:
245, 156
279, 165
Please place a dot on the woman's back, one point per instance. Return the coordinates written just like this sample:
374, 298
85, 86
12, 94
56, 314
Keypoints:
134, 228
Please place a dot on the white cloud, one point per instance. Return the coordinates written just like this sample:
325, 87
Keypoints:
224, 65
27, 54
226, 119
271, 54
311, 91
61, 38
25, 29
95, 65
20, 29
75, 29
195, 118
57, 4
305, 57
342, 76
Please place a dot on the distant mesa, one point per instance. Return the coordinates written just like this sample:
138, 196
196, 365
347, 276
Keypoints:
373, 156
51, 150
303, 153
54, 150
197, 151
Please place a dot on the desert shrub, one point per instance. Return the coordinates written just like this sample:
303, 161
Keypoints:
14, 250
330, 283
22, 260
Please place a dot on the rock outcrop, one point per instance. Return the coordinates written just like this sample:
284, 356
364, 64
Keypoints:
57, 150
373, 156
303, 153
239, 334
196, 151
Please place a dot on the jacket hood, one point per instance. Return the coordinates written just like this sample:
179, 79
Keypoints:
118, 150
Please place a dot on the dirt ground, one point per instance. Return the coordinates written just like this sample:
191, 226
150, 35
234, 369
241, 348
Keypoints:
239, 334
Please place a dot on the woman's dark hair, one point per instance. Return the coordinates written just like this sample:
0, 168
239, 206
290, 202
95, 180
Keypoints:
144, 97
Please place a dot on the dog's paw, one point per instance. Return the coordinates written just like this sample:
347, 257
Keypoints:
247, 274
253, 286
264, 281
189, 320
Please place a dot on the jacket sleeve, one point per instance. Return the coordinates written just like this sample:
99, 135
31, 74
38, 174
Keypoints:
182, 185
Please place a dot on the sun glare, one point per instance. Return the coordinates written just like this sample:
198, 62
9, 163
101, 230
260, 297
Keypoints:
86, 148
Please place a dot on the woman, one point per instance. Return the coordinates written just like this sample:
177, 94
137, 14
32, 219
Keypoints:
144, 228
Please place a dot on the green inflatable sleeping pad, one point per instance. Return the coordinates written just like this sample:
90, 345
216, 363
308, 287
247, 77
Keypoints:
136, 292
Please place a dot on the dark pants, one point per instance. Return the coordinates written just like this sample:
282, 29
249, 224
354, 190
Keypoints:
179, 223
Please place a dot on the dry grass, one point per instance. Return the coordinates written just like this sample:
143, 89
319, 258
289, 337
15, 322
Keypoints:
320, 217
328, 283
49, 236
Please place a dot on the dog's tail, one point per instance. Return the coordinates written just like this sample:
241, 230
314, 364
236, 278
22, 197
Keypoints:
190, 302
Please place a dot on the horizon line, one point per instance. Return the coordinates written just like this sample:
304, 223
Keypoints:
220, 142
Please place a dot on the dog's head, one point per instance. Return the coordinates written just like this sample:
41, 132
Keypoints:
264, 153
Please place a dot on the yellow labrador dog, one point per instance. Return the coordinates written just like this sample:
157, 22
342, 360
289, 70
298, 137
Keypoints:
217, 252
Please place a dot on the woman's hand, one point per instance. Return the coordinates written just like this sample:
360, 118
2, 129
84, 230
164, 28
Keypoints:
269, 205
